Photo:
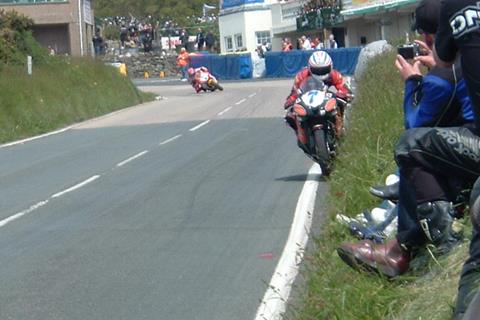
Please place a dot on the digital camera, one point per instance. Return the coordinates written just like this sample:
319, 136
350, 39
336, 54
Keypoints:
409, 51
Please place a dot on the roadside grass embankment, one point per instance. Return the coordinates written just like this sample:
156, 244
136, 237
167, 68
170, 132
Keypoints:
60, 92
333, 290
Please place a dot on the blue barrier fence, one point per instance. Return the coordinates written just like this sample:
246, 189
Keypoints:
229, 67
287, 64
277, 64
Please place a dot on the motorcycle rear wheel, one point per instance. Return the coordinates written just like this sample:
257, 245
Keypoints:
322, 152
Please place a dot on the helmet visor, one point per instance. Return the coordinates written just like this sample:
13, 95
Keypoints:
321, 71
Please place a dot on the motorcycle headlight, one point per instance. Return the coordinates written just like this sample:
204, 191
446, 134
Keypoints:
330, 105
299, 110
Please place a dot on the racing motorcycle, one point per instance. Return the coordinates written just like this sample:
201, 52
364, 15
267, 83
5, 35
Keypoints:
316, 111
205, 81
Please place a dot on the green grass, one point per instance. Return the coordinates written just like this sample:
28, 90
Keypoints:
331, 289
59, 93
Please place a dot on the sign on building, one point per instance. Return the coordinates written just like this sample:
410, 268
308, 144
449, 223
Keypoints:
224, 4
87, 12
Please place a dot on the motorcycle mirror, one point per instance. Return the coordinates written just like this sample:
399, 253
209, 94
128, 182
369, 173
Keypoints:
332, 89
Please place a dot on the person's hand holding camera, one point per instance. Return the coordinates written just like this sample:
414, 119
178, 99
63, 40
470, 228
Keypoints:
406, 69
426, 57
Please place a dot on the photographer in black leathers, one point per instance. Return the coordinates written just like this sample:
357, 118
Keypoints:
459, 150
425, 211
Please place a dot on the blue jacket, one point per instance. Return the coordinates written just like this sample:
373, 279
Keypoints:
434, 100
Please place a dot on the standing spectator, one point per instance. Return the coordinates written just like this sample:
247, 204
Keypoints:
299, 44
286, 45
200, 40
306, 45
147, 41
260, 52
97, 43
319, 43
183, 61
332, 44
210, 41
264, 48
123, 35
184, 38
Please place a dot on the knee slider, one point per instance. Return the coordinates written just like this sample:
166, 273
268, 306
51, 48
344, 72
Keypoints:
436, 220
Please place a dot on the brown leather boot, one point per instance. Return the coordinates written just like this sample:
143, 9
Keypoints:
389, 258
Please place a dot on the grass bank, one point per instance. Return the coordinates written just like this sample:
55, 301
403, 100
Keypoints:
60, 92
331, 289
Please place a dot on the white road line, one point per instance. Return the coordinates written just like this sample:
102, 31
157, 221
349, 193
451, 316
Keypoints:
138, 155
75, 187
170, 140
199, 126
22, 213
35, 138
274, 302
240, 102
252, 95
224, 111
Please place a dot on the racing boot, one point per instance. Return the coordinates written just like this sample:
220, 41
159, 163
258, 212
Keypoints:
390, 259
388, 192
436, 220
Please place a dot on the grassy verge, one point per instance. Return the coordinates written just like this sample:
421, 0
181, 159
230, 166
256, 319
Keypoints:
59, 93
333, 290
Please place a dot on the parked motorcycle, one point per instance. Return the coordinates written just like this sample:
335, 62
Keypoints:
316, 110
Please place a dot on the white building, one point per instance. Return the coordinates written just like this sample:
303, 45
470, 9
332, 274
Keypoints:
244, 24
370, 20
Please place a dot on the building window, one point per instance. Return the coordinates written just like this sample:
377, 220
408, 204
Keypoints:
229, 43
239, 41
263, 37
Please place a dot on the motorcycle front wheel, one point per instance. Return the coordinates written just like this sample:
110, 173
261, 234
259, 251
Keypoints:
322, 151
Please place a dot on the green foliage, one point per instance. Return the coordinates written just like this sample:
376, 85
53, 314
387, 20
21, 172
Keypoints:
16, 40
333, 290
179, 11
60, 93
111, 32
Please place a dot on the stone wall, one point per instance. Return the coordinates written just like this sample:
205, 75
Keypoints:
139, 62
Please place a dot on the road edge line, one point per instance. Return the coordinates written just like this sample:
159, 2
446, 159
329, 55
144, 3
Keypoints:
273, 304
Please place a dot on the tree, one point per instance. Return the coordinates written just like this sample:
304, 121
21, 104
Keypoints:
178, 11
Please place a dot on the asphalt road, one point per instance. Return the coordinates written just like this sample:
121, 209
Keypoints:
176, 209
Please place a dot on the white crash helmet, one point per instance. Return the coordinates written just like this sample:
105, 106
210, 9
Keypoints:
320, 65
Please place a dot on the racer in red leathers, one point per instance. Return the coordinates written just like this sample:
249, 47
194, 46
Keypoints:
334, 78
319, 66
201, 79
194, 76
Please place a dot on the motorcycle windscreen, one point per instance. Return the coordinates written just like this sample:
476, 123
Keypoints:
204, 77
311, 83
